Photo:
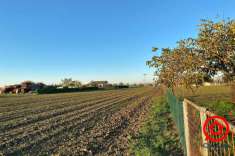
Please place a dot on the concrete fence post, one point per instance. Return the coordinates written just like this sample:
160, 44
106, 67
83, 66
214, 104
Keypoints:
203, 118
186, 127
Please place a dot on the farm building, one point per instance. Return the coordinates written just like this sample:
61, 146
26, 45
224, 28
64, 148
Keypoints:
99, 84
1, 90
24, 87
207, 84
29, 86
9, 89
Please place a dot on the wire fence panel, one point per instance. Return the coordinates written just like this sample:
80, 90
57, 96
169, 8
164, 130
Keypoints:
227, 145
194, 125
176, 108
195, 135
196, 117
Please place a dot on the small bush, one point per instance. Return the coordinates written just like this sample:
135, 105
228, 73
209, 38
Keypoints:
121, 86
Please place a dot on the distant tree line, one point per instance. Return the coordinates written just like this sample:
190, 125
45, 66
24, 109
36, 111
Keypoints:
66, 85
68, 82
197, 60
70, 85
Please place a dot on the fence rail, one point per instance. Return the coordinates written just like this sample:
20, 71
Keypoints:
190, 121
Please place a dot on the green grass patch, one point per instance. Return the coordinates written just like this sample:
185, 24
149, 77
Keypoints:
158, 136
217, 99
220, 107
216, 92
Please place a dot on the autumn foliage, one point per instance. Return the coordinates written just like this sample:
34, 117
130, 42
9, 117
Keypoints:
197, 60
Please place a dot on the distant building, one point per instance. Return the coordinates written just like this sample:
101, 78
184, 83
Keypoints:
15, 89
207, 84
1, 90
99, 84
24, 87
29, 86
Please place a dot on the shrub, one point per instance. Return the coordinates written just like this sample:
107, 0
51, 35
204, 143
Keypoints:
121, 86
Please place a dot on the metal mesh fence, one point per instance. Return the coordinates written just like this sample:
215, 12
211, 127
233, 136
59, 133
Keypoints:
190, 120
176, 108
225, 147
194, 123
195, 133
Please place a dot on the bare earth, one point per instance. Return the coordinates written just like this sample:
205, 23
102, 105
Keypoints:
89, 123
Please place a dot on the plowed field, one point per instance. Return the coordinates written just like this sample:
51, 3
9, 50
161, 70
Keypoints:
88, 123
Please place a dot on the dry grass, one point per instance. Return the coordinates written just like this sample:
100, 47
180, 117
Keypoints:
233, 92
217, 99
207, 93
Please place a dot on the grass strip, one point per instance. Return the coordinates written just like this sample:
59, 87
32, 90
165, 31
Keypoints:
158, 136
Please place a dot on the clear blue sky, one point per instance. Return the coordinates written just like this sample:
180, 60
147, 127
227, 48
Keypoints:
47, 40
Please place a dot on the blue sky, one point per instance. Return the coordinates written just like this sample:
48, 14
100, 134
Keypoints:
47, 40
